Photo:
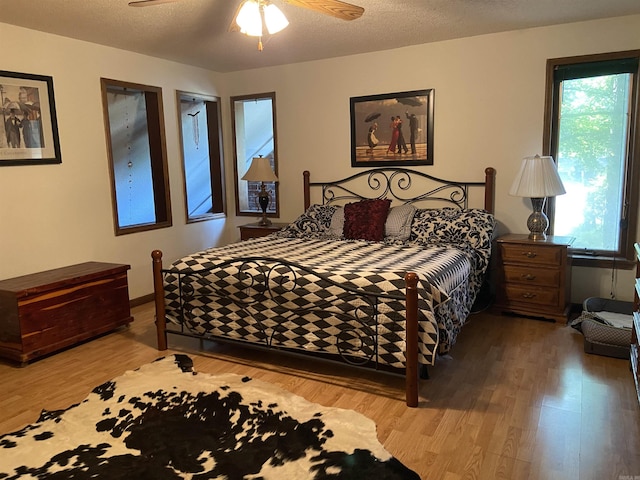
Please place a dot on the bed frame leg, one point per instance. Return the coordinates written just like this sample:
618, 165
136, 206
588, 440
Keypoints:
158, 295
424, 372
411, 354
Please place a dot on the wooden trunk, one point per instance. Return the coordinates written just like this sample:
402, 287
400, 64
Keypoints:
45, 312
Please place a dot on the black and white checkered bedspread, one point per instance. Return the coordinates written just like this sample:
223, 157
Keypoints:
263, 302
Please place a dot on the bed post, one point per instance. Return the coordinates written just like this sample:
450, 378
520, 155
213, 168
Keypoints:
489, 189
158, 296
307, 194
411, 354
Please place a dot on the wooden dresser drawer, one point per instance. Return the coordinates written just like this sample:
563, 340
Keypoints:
544, 277
532, 295
532, 254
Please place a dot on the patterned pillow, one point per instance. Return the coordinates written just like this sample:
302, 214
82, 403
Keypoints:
312, 223
398, 224
472, 228
365, 220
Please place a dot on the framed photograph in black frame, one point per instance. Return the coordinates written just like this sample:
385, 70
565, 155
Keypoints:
29, 128
392, 129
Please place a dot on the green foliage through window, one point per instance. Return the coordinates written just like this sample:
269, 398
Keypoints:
591, 139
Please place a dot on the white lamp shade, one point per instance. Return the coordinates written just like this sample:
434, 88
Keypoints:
538, 178
260, 171
274, 19
249, 19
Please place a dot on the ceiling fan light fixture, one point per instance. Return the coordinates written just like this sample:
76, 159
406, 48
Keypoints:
274, 19
249, 19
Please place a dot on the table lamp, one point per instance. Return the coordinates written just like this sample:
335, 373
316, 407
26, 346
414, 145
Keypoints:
261, 171
537, 179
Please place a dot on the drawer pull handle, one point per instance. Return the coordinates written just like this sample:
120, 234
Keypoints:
530, 254
528, 276
528, 295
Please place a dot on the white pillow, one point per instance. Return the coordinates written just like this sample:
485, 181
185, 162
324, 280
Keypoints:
336, 228
398, 224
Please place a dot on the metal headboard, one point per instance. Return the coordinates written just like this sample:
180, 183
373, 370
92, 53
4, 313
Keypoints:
396, 185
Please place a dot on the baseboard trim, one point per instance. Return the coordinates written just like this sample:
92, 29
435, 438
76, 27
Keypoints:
141, 300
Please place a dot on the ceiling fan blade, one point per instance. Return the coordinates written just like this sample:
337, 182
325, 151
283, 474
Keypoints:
335, 8
149, 3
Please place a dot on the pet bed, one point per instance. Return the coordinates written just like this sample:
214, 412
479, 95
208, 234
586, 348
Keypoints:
606, 326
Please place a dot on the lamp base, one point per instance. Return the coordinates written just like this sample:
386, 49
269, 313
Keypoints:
537, 236
263, 201
264, 222
537, 223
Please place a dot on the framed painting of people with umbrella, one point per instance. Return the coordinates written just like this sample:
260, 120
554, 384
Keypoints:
392, 129
29, 129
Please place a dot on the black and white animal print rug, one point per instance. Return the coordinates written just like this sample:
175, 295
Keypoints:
164, 422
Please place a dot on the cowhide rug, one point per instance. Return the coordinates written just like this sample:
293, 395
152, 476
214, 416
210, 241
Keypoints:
163, 421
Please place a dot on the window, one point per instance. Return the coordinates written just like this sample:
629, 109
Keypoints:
591, 131
254, 134
137, 156
202, 159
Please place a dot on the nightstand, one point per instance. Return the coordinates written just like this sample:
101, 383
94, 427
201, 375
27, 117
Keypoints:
255, 230
534, 276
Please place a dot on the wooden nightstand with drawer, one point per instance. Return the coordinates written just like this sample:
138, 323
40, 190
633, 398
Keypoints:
255, 230
534, 276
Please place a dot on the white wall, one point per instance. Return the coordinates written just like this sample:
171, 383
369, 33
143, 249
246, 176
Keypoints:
489, 100
56, 215
489, 106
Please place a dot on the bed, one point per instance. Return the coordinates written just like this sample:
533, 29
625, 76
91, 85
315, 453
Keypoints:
381, 271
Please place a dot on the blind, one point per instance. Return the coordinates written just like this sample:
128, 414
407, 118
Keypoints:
595, 69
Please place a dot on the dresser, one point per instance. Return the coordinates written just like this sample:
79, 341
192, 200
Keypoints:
534, 276
255, 230
635, 331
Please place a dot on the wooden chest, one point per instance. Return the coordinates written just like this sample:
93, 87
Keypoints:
47, 311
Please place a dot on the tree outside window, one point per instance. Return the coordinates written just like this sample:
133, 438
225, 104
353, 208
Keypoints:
591, 133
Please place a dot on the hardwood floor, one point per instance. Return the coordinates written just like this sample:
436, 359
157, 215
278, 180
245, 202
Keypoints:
517, 398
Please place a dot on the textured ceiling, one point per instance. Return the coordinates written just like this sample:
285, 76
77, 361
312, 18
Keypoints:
196, 32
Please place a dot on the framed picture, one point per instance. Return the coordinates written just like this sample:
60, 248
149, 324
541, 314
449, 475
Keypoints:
392, 129
29, 129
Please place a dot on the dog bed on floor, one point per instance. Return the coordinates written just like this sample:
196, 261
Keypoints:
606, 326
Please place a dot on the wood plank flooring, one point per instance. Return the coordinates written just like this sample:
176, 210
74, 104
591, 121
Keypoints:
517, 398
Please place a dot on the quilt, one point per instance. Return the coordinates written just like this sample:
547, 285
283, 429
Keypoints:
233, 301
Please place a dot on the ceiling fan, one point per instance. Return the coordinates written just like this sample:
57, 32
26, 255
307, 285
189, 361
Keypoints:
335, 8
252, 14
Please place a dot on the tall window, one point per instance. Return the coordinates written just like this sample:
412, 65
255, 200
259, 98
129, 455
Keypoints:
202, 160
137, 156
254, 133
592, 133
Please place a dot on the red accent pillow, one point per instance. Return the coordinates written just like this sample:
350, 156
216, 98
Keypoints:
365, 220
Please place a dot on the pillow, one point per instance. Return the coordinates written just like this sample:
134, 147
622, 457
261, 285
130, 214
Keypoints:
365, 220
472, 228
398, 224
312, 223
336, 228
